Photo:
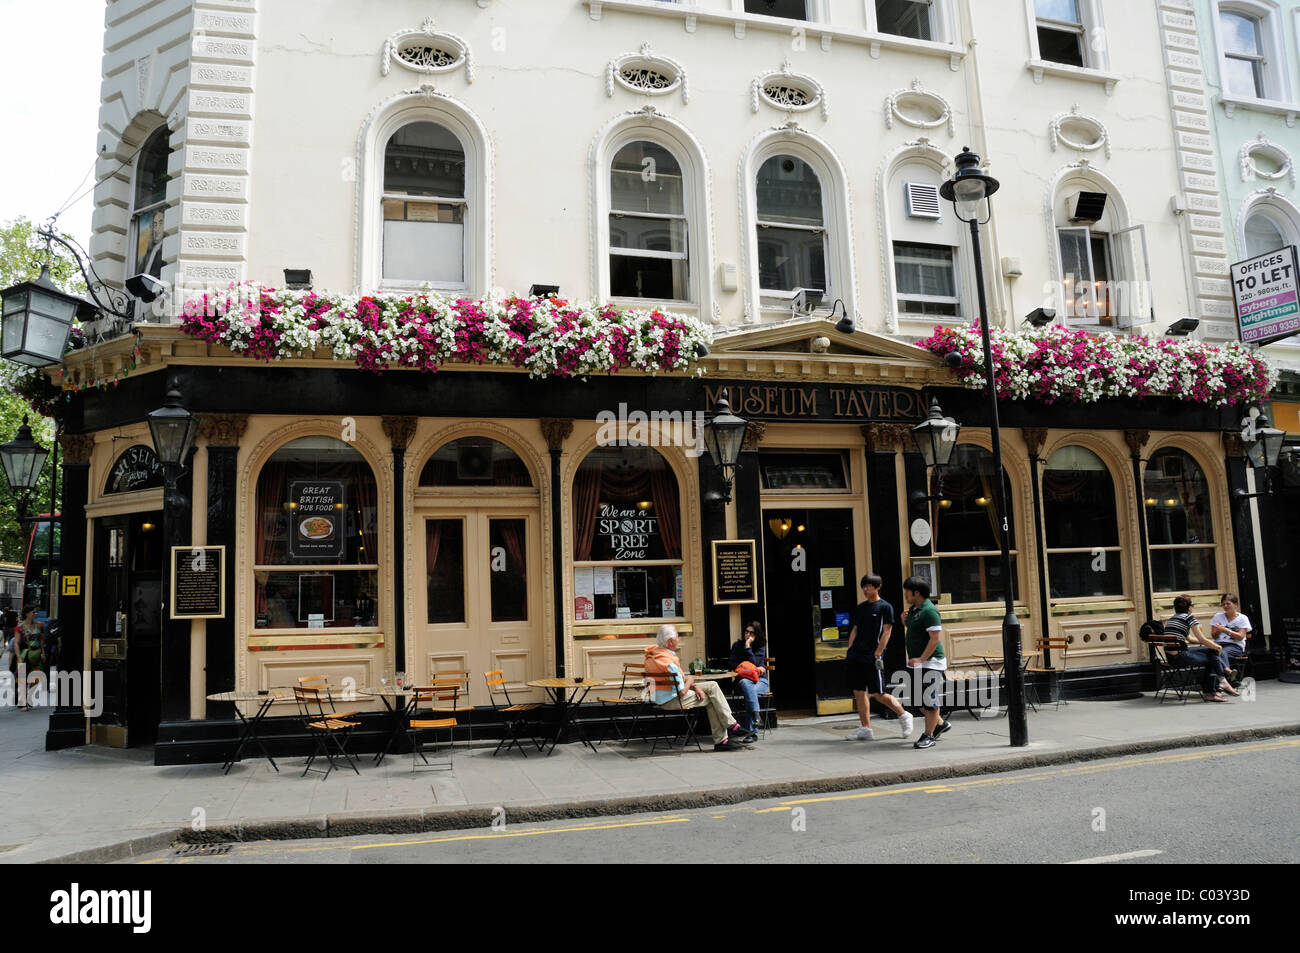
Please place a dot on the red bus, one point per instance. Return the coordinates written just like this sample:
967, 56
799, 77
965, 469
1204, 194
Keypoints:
37, 565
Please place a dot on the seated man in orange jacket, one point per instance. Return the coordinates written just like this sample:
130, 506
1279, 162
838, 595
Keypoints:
675, 689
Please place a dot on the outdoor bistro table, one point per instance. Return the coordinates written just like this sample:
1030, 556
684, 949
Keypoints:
389, 695
564, 704
248, 730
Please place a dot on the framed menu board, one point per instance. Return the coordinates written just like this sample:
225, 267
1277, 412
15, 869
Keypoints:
735, 579
198, 582
316, 510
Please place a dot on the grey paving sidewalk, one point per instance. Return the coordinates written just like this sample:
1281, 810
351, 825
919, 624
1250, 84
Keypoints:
95, 803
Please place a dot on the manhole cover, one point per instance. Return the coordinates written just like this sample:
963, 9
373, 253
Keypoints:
202, 850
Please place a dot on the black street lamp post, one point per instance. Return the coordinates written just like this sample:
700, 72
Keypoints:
724, 434
1263, 445
966, 190
23, 459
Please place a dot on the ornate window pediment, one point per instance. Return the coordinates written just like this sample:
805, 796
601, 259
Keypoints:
787, 90
917, 107
646, 73
427, 50
1079, 132
1266, 160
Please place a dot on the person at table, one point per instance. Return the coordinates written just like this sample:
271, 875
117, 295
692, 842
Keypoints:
751, 647
1230, 629
1200, 650
675, 689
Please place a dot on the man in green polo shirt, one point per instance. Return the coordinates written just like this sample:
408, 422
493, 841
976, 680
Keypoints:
925, 653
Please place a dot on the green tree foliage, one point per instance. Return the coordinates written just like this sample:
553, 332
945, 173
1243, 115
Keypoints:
22, 251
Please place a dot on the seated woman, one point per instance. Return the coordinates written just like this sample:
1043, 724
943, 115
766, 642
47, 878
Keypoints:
1200, 650
751, 647
1230, 629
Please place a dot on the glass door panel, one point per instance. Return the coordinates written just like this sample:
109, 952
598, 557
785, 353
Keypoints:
508, 570
444, 547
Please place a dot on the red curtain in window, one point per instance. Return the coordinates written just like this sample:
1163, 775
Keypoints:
586, 497
663, 493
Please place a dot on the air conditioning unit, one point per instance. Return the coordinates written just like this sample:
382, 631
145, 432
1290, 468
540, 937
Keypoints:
474, 460
1087, 207
922, 200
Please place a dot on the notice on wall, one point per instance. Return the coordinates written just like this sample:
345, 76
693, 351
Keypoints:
830, 634
1264, 292
735, 579
316, 512
603, 580
584, 593
1291, 663
198, 582
828, 599
832, 578
631, 531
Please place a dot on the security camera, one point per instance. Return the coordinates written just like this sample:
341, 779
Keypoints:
145, 287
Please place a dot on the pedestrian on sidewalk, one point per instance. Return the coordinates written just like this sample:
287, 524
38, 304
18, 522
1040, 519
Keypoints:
1206, 653
751, 647
675, 689
925, 656
873, 621
1230, 629
30, 652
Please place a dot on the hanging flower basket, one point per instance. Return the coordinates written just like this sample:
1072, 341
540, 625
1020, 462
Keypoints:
550, 337
1058, 363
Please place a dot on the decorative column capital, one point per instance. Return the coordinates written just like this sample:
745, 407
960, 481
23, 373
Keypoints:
222, 430
1034, 438
556, 430
77, 448
1232, 446
399, 431
754, 434
1136, 440
885, 438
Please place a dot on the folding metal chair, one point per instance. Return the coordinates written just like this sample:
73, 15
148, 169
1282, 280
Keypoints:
666, 717
460, 707
437, 699
1171, 676
632, 681
1059, 645
513, 716
328, 731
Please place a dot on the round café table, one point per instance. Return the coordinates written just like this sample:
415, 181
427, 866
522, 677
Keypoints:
248, 726
567, 694
389, 695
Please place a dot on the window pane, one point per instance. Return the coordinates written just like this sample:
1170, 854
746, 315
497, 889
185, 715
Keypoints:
444, 542
647, 234
1240, 33
151, 169
1076, 575
424, 251
1060, 46
660, 278
803, 471
789, 191
970, 523
974, 578
904, 18
645, 177
1067, 10
1177, 570
791, 258
790, 9
148, 243
423, 158
1262, 236
1242, 77
288, 600
1177, 500
627, 592
625, 506
924, 270
475, 461
1078, 501
508, 569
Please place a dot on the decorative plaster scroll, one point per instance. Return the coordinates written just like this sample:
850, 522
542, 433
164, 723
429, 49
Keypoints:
647, 73
427, 50
902, 103
1068, 130
1260, 146
787, 90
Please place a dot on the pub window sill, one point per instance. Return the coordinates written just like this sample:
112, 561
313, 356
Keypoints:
1041, 68
1276, 107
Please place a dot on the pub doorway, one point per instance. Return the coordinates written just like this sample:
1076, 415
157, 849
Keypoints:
126, 628
811, 578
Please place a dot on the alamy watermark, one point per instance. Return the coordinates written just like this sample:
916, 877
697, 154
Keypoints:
658, 428
58, 689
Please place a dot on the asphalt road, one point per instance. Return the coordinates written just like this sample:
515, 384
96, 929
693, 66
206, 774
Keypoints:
1174, 807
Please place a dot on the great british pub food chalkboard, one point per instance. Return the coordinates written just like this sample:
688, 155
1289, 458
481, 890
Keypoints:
734, 578
198, 589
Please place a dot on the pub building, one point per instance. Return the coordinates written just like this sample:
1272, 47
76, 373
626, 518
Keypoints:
340, 522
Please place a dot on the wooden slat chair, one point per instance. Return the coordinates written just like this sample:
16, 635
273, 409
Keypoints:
666, 718
1171, 676
1059, 645
437, 699
626, 700
514, 717
329, 732
322, 683
460, 707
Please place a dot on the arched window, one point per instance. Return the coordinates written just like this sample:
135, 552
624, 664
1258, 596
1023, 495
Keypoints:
1267, 223
649, 249
475, 461
424, 207
925, 245
1180, 527
316, 542
1104, 269
1083, 551
967, 535
792, 237
627, 536
148, 205
1262, 235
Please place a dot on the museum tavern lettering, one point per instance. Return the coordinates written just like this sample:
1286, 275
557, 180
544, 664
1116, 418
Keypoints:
818, 402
